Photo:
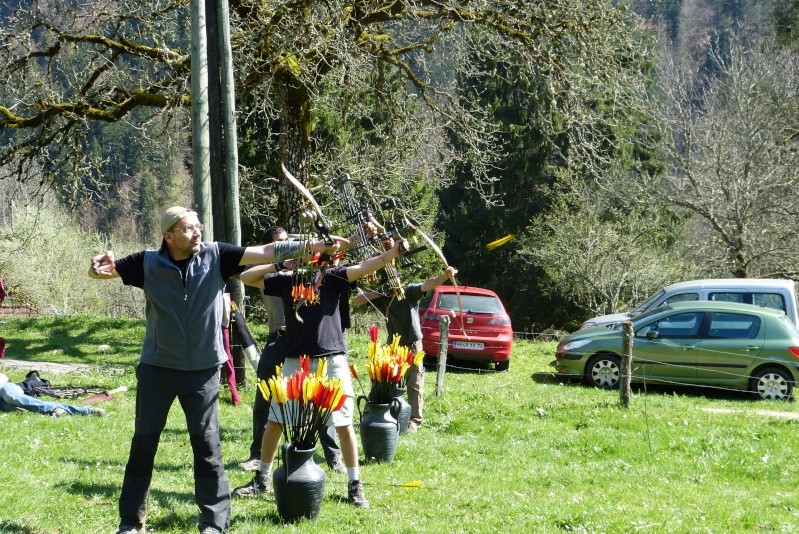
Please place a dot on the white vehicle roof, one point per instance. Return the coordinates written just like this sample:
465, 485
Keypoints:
722, 283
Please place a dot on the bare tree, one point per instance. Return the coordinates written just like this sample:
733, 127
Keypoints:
81, 61
602, 255
735, 163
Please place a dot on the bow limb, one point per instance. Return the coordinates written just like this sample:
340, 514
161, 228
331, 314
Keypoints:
440, 254
321, 222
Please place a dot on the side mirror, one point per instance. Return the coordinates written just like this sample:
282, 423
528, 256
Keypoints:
652, 334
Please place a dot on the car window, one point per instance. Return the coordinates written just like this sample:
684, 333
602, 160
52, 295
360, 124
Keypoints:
764, 300
682, 297
471, 303
647, 303
769, 300
725, 325
680, 325
730, 296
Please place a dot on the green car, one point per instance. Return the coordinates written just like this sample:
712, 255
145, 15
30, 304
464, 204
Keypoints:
722, 344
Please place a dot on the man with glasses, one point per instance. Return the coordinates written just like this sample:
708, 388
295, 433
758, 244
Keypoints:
182, 352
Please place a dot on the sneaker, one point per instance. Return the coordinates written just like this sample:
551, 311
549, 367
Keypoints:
59, 412
98, 412
128, 529
337, 466
211, 530
413, 428
259, 485
355, 494
251, 465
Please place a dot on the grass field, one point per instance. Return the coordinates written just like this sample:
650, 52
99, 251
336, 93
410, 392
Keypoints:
499, 452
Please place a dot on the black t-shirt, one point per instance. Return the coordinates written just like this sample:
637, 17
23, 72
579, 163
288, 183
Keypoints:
131, 268
322, 329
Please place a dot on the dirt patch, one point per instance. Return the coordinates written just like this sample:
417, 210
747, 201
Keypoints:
44, 367
765, 413
15, 311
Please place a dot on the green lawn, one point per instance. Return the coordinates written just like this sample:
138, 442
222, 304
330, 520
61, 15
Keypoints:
503, 452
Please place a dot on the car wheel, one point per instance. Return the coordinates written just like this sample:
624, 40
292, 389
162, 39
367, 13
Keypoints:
502, 366
772, 383
603, 371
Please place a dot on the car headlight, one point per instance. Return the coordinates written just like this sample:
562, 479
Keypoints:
571, 345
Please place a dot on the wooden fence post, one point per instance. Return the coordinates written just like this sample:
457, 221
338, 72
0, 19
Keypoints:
443, 330
626, 363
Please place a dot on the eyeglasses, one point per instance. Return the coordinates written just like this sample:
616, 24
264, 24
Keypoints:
190, 228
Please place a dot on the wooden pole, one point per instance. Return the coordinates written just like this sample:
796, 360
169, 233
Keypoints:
626, 363
443, 329
200, 145
215, 131
232, 210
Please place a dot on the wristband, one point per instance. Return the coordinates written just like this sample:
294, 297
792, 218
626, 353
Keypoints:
286, 250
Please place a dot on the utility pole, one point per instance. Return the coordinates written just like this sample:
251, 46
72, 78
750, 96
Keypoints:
201, 151
231, 164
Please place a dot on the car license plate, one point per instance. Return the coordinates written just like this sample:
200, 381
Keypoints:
469, 345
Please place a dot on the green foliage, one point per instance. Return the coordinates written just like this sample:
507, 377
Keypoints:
512, 452
785, 13
616, 130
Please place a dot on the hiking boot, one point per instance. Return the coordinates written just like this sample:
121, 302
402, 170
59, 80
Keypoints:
59, 412
258, 486
98, 412
337, 466
129, 529
251, 465
355, 494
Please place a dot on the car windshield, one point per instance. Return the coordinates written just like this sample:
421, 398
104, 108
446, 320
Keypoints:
646, 304
649, 313
471, 303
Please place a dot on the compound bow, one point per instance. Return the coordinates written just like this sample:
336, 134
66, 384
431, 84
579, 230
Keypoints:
308, 276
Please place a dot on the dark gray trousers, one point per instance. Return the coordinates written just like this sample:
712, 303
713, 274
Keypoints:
198, 394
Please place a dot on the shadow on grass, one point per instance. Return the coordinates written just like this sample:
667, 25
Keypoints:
457, 366
65, 339
163, 500
553, 378
16, 528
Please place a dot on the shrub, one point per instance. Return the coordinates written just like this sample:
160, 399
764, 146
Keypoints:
44, 259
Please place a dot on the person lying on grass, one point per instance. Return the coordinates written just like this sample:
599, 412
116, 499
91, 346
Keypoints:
13, 398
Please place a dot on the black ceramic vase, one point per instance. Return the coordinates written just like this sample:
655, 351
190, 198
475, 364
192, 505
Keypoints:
379, 429
299, 485
404, 417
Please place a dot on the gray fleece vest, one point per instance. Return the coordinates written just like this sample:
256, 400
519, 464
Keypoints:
184, 318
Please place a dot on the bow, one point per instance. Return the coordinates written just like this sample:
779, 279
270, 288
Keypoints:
415, 227
321, 224
440, 254
355, 204
302, 292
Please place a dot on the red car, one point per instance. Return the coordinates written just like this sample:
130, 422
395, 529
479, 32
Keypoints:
489, 336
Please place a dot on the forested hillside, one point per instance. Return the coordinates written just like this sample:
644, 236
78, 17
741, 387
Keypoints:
622, 150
